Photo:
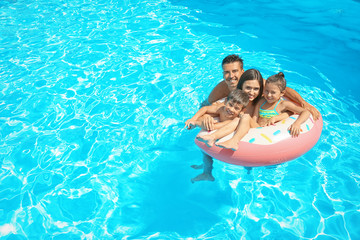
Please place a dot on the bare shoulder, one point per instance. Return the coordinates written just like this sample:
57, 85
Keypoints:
250, 108
215, 107
285, 103
261, 101
220, 91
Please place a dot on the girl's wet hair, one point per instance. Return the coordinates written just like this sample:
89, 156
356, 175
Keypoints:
231, 59
278, 80
238, 96
252, 74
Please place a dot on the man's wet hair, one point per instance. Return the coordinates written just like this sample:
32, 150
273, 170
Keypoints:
231, 59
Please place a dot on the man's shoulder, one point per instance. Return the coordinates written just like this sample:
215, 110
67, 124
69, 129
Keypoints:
220, 91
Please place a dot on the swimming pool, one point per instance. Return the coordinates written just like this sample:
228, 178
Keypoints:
93, 100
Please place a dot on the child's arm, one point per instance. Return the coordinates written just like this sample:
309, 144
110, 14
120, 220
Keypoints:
212, 109
303, 116
278, 118
219, 125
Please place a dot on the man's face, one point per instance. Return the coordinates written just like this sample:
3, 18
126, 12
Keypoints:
231, 74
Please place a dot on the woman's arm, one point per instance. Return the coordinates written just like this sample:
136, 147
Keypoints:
255, 116
220, 91
295, 97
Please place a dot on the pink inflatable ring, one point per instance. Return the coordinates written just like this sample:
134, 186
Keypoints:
267, 145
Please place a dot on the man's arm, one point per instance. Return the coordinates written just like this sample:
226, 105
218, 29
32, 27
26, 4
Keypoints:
220, 91
295, 97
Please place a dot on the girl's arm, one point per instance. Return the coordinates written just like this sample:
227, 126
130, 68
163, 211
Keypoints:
295, 97
220, 91
303, 116
278, 118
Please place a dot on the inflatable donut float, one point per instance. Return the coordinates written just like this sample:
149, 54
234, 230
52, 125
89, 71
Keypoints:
269, 145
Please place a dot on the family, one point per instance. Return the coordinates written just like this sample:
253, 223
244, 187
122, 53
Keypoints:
244, 100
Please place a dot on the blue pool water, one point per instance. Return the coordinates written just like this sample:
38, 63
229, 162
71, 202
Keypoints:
94, 95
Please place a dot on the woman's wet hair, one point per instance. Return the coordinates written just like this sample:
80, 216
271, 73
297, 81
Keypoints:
252, 74
278, 80
231, 59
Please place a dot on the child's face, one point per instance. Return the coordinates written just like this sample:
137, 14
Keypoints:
233, 109
272, 93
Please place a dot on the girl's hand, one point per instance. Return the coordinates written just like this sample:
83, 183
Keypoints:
294, 130
190, 124
270, 121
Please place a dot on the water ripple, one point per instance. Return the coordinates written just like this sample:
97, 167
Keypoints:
92, 104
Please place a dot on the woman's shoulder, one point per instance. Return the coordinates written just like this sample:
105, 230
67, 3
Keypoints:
261, 101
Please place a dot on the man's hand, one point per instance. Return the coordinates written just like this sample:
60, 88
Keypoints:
314, 112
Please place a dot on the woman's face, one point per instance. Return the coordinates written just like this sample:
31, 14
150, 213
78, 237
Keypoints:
251, 88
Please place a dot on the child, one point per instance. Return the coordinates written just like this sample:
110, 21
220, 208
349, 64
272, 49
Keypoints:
270, 109
234, 104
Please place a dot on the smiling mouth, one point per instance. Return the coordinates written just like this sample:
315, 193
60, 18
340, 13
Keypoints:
229, 113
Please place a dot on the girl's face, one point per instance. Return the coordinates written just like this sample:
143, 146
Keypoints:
272, 93
251, 88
